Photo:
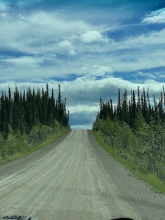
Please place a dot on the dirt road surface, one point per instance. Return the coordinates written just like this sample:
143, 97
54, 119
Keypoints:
74, 178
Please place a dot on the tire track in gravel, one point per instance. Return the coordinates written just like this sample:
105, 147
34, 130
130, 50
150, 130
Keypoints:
30, 176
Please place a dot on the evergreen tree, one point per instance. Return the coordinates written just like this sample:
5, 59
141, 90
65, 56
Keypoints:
119, 105
10, 108
4, 116
149, 107
111, 110
59, 105
124, 115
126, 111
29, 109
53, 104
134, 110
101, 108
44, 108
138, 94
50, 113
160, 107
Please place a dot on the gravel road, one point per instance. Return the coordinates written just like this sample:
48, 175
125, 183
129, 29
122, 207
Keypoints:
74, 178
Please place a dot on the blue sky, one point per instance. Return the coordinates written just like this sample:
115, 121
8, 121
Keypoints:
91, 48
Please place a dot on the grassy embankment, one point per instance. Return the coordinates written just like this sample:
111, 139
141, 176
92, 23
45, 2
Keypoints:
157, 184
24, 146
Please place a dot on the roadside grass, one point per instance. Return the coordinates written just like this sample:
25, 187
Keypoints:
141, 174
30, 150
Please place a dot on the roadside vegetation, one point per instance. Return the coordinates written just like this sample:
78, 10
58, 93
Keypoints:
30, 122
133, 132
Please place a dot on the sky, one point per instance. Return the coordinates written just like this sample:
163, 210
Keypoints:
91, 48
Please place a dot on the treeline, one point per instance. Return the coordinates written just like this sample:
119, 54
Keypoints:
127, 111
135, 129
23, 111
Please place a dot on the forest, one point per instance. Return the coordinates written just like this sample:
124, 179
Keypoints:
135, 128
27, 119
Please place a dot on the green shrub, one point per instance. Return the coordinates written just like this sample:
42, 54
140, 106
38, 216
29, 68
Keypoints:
144, 146
18, 144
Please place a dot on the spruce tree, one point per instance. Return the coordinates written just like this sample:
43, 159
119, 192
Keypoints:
53, 104
138, 96
124, 115
10, 107
101, 108
111, 110
119, 105
59, 105
160, 107
134, 110
50, 113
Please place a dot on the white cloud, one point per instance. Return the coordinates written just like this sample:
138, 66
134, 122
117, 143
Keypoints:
72, 52
155, 17
154, 39
100, 70
93, 37
55, 24
83, 108
162, 76
140, 73
49, 57
65, 43
25, 61
94, 71
39, 32
53, 41
67, 46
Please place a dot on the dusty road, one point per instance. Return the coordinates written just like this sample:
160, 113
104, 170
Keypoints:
74, 178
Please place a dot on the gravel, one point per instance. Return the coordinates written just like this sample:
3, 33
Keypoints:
74, 178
